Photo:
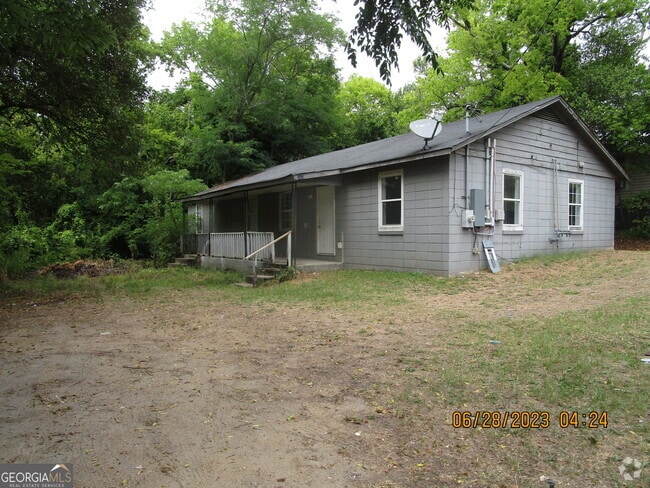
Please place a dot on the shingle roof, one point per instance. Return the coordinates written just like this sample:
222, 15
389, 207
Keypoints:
405, 147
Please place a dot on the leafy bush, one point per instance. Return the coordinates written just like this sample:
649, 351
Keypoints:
636, 209
143, 217
26, 246
287, 274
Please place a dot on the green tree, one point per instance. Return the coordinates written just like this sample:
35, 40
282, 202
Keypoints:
37, 175
165, 134
262, 83
72, 82
508, 52
611, 90
381, 26
368, 112
142, 217
76, 70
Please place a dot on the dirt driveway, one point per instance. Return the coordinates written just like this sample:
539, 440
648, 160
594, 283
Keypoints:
187, 390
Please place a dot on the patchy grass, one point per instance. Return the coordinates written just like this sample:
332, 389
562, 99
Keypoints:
583, 363
551, 334
355, 288
343, 288
141, 282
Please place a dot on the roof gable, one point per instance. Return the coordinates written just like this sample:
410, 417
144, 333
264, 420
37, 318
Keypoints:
409, 147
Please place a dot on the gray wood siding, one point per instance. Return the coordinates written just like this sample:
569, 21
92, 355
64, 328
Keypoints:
540, 142
533, 146
423, 244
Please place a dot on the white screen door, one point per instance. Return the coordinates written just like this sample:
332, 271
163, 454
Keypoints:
325, 234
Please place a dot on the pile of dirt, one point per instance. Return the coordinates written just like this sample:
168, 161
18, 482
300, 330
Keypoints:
83, 267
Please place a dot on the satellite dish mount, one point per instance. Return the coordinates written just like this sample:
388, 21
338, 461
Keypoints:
427, 129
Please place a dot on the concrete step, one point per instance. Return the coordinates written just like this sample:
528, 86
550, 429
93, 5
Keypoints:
261, 278
185, 261
272, 270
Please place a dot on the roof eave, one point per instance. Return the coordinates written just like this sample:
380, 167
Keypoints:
408, 159
238, 188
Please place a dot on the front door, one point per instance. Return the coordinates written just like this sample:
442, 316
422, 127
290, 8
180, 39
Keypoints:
325, 234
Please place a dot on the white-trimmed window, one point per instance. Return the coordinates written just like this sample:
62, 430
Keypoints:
391, 201
195, 213
576, 204
513, 199
198, 218
286, 211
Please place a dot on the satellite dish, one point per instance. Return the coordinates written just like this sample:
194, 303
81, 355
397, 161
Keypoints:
427, 128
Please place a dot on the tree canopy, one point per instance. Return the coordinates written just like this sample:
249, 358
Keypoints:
381, 26
72, 83
368, 112
75, 70
261, 80
507, 52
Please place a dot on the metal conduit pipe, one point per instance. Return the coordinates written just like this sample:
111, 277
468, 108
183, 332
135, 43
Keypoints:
466, 177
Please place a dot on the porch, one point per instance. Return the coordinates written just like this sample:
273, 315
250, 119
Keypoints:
246, 266
242, 251
237, 226
236, 245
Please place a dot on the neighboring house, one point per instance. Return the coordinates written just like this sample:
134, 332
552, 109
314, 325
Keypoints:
527, 180
639, 181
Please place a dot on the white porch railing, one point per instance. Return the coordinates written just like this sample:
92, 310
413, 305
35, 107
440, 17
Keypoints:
257, 240
231, 244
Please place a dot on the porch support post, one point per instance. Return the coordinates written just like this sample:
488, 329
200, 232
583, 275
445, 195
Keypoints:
289, 250
294, 221
183, 227
246, 250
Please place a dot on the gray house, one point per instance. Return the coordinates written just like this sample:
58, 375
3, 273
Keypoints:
522, 181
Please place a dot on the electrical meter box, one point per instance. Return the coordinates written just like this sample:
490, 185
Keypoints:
467, 219
477, 204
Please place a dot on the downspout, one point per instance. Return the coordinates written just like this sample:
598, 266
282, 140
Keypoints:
556, 210
466, 177
490, 149
488, 165
493, 162
294, 219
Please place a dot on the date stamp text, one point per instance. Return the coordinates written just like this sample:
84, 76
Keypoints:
527, 419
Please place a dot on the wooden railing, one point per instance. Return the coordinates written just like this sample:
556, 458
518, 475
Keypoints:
262, 241
271, 245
